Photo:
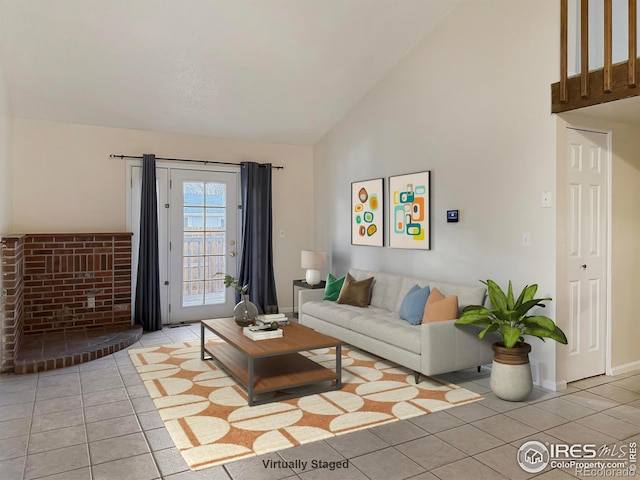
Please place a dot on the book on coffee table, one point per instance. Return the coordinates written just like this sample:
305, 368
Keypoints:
262, 333
279, 318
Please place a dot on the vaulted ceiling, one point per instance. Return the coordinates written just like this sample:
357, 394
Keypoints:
281, 71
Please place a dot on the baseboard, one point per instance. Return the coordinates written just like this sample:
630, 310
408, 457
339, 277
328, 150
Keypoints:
629, 367
554, 386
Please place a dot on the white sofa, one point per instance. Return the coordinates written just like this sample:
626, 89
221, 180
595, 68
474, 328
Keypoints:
428, 349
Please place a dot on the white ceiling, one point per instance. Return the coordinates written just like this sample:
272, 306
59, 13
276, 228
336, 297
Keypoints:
281, 71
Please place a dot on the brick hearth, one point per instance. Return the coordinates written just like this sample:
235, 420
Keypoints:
61, 284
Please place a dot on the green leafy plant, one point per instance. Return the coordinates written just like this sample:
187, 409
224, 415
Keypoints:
508, 317
231, 281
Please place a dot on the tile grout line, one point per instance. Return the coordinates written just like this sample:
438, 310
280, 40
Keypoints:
33, 411
84, 424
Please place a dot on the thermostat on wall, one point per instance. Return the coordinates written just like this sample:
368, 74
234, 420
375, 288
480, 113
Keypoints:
452, 216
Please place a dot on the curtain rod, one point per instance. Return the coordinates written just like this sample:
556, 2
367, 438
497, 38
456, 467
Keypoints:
185, 160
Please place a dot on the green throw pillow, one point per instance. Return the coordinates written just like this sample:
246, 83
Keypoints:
333, 287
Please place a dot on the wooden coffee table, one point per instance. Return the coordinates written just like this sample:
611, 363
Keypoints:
272, 365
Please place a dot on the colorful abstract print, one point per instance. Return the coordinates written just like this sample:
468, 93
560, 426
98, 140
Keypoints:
367, 216
409, 210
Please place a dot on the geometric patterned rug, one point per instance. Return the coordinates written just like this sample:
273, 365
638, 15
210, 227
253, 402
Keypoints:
207, 416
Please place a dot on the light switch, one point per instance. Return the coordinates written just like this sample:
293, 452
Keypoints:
546, 200
526, 239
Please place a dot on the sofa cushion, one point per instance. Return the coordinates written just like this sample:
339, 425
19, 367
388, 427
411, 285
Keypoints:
333, 313
333, 287
413, 305
439, 307
387, 327
386, 288
466, 295
355, 292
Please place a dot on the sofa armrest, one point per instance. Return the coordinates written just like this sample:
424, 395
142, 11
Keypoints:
309, 295
447, 347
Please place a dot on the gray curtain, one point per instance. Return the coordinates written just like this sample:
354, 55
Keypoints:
147, 304
256, 261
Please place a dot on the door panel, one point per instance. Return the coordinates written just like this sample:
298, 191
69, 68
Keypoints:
586, 252
203, 243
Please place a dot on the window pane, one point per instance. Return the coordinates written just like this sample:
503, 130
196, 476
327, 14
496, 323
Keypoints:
215, 219
193, 194
215, 292
215, 264
193, 219
216, 194
193, 269
215, 243
193, 244
192, 294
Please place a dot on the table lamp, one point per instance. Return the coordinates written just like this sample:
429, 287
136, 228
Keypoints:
313, 261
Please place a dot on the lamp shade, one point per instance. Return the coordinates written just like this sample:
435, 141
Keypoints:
312, 259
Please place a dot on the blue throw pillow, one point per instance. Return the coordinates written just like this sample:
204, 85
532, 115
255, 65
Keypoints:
412, 308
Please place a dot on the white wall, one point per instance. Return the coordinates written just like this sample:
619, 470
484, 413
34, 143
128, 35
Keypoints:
5, 179
64, 181
471, 103
5, 148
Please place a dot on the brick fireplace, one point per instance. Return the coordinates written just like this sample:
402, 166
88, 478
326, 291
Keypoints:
55, 283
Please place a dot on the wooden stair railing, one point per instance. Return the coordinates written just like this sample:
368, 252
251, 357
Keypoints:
613, 81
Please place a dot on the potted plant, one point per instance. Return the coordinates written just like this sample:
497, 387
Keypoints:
245, 312
511, 373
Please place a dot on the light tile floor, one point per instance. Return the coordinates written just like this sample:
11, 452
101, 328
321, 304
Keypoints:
96, 421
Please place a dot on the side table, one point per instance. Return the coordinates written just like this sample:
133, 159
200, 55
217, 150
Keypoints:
303, 284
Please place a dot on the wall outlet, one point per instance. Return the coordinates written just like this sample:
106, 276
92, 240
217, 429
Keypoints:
91, 302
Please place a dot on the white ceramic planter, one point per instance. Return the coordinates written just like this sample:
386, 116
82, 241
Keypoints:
511, 382
511, 378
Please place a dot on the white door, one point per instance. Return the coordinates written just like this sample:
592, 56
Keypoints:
587, 157
203, 243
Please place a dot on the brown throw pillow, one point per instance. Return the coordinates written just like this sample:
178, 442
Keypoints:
439, 307
356, 293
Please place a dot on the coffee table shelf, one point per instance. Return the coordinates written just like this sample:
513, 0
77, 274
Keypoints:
272, 365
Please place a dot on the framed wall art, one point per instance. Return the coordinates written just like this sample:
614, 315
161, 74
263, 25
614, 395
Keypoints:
367, 212
409, 211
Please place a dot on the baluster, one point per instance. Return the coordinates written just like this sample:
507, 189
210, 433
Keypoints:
608, 46
633, 41
563, 50
584, 48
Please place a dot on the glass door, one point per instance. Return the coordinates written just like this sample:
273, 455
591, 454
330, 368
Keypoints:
203, 243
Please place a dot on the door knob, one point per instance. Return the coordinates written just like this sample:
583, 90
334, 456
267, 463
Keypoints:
583, 266
232, 254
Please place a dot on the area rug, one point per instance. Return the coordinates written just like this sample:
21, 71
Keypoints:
207, 416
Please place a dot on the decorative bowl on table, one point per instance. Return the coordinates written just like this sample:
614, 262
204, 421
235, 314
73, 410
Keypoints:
243, 322
245, 312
